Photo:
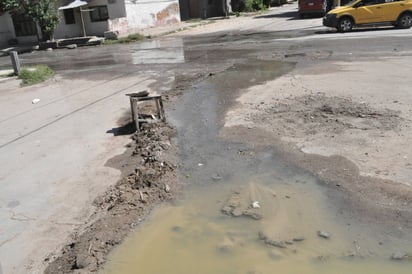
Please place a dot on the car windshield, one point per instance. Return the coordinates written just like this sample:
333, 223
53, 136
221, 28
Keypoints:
351, 3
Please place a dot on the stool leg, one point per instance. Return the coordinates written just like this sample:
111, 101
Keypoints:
136, 115
158, 114
162, 111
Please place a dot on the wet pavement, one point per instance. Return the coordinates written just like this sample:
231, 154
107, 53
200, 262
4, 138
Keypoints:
194, 235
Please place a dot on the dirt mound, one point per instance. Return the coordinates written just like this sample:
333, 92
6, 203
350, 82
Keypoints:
123, 206
310, 114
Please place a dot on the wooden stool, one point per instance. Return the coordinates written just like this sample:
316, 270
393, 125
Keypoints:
142, 96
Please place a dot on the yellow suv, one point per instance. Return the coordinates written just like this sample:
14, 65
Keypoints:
360, 12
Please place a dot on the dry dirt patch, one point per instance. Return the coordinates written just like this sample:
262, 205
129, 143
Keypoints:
310, 114
358, 110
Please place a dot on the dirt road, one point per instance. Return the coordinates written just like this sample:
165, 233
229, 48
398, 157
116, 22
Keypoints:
328, 103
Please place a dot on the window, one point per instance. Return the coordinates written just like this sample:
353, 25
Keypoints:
24, 25
99, 13
69, 18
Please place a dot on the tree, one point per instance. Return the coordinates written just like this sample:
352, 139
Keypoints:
10, 5
43, 12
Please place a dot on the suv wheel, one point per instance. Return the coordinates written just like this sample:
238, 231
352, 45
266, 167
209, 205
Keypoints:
345, 24
405, 21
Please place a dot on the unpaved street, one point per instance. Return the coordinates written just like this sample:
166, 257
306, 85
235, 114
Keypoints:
337, 106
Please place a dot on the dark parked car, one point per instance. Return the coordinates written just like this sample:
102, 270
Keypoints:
314, 7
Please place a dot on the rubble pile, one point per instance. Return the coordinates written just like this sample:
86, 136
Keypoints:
124, 205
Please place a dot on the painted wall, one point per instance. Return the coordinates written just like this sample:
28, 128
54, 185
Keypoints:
125, 16
115, 8
148, 13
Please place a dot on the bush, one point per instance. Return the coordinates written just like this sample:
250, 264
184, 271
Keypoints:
249, 5
37, 75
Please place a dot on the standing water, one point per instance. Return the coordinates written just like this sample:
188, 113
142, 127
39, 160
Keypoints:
245, 210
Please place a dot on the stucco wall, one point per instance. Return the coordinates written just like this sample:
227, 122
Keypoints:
148, 13
115, 8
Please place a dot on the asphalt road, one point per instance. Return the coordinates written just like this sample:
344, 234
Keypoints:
52, 153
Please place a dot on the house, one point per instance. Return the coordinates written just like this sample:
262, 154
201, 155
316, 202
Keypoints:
80, 18
93, 17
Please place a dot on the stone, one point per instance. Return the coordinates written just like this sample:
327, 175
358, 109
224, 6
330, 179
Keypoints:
72, 46
324, 234
217, 177
275, 243
253, 215
111, 35
298, 239
399, 256
262, 236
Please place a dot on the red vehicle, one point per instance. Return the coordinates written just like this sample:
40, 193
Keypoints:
313, 7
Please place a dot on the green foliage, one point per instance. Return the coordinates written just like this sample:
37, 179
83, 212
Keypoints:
130, 38
40, 74
43, 12
10, 5
250, 5
254, 5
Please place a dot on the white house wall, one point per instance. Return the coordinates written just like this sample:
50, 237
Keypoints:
125, 16
148, 13
115, 8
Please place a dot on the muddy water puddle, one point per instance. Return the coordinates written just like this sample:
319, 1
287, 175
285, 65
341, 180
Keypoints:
197, 236
245, 209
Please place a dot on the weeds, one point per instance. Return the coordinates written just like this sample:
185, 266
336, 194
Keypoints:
37, 75
129, 39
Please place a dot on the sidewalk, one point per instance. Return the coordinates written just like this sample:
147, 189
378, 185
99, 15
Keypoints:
176, 27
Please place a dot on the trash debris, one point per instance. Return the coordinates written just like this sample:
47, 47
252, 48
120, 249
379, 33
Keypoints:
398, 256
35, 101
199, 164
167, 188
255, 204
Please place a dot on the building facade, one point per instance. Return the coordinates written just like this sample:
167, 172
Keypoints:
92, 18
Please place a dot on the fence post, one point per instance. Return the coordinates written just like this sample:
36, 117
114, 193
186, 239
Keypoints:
15, 62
